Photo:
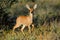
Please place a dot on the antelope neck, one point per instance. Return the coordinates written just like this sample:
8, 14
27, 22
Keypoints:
31, 15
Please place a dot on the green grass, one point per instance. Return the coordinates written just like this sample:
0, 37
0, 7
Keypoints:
46, 32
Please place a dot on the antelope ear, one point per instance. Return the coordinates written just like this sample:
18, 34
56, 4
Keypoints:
27, 6
35, 6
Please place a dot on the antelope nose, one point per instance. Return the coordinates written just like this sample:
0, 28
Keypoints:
31, 10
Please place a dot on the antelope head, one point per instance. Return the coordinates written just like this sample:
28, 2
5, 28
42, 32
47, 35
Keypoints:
31, 9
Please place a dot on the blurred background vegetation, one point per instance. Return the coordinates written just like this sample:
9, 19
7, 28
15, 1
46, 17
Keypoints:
46, 19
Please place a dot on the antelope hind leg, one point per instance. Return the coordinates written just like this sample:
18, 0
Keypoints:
22, 29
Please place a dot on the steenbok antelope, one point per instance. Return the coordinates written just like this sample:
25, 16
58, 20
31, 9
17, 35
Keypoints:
25, 20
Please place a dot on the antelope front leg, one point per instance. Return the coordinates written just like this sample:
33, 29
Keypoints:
29, 29
32, 27
22, 29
